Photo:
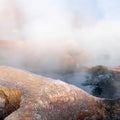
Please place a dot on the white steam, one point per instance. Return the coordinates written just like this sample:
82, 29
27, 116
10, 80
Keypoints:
48, 25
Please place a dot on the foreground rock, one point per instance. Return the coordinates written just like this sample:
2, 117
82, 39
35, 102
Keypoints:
47, 99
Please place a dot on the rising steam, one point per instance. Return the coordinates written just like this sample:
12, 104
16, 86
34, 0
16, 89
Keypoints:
50, 24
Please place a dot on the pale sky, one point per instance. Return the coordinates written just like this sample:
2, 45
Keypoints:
54, 18
85, 9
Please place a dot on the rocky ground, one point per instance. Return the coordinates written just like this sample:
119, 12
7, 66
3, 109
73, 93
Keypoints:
30, 97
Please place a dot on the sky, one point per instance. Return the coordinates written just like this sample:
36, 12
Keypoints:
65, 15
93, 24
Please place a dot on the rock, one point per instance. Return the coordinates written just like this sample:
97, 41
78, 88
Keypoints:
3, 104
47, 99
9, 101
105, 82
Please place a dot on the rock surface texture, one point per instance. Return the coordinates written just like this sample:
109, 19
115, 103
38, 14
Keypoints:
41, 98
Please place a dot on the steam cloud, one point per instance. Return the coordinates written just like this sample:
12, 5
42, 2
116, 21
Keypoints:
53, 23
58, 35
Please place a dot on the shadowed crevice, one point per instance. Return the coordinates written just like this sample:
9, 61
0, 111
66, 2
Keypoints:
9, 101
